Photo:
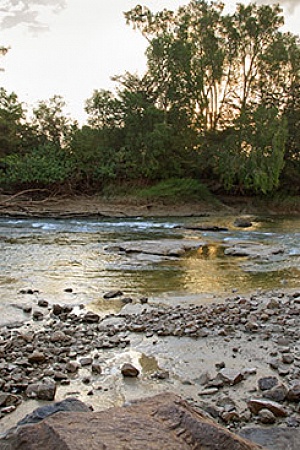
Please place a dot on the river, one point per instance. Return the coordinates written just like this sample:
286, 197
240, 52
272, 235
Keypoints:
66, 260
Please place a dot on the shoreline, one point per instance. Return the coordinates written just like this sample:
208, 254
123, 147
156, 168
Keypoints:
127, 207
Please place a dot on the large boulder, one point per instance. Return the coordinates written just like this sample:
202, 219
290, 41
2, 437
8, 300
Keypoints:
163, 422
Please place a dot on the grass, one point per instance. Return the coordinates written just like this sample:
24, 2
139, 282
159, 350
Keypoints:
176, 190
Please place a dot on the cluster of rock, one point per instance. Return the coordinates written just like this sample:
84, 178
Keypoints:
275, 319
34, 359
53, 347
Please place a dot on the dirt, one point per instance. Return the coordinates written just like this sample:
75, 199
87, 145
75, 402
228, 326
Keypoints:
27, 205
98, 206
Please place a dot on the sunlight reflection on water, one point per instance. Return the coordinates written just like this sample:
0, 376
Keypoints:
52, 255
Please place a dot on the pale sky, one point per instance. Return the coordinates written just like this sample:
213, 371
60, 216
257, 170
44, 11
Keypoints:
71, 47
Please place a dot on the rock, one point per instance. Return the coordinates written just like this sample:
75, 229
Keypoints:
248, 371
242, 222
231, 376
255, 405
220, 365
251, 326
8, 409
161, 375
126, 300
164, 422
69, 404
230, 416
29, 291
112, 294
58, 336
96, 368
43, 303
128, 370
87, 361
293, 394
274, 438
252, 250
208, 391
59, 375
273, 303
44, 390
164, 247
58, 310
287, 358
283, 370
9, 400
205, 228
267, 383
37, 315
266, 416
37, 357
277, 393
91, 317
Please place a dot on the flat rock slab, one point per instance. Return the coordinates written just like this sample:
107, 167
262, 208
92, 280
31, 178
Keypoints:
163, 422
250, 250
274, 438
166, 247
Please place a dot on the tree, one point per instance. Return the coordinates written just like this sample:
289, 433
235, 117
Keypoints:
223, 76
15, 134
52, 123
291, 174
94, 156
103, 109
250, 157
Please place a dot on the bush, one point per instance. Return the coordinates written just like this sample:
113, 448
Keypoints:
177, 189
43, 166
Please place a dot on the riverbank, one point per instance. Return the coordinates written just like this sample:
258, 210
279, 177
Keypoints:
236, 359
29, 205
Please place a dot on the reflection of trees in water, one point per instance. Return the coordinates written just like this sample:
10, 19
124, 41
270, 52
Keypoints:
208, 270
50, 262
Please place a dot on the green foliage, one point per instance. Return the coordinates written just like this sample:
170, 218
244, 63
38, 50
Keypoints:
103, 110
52, 124
93, 155
12, 115
42, 167
177, 189
251, 157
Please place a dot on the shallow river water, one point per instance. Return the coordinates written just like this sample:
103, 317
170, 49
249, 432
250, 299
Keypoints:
51, 256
